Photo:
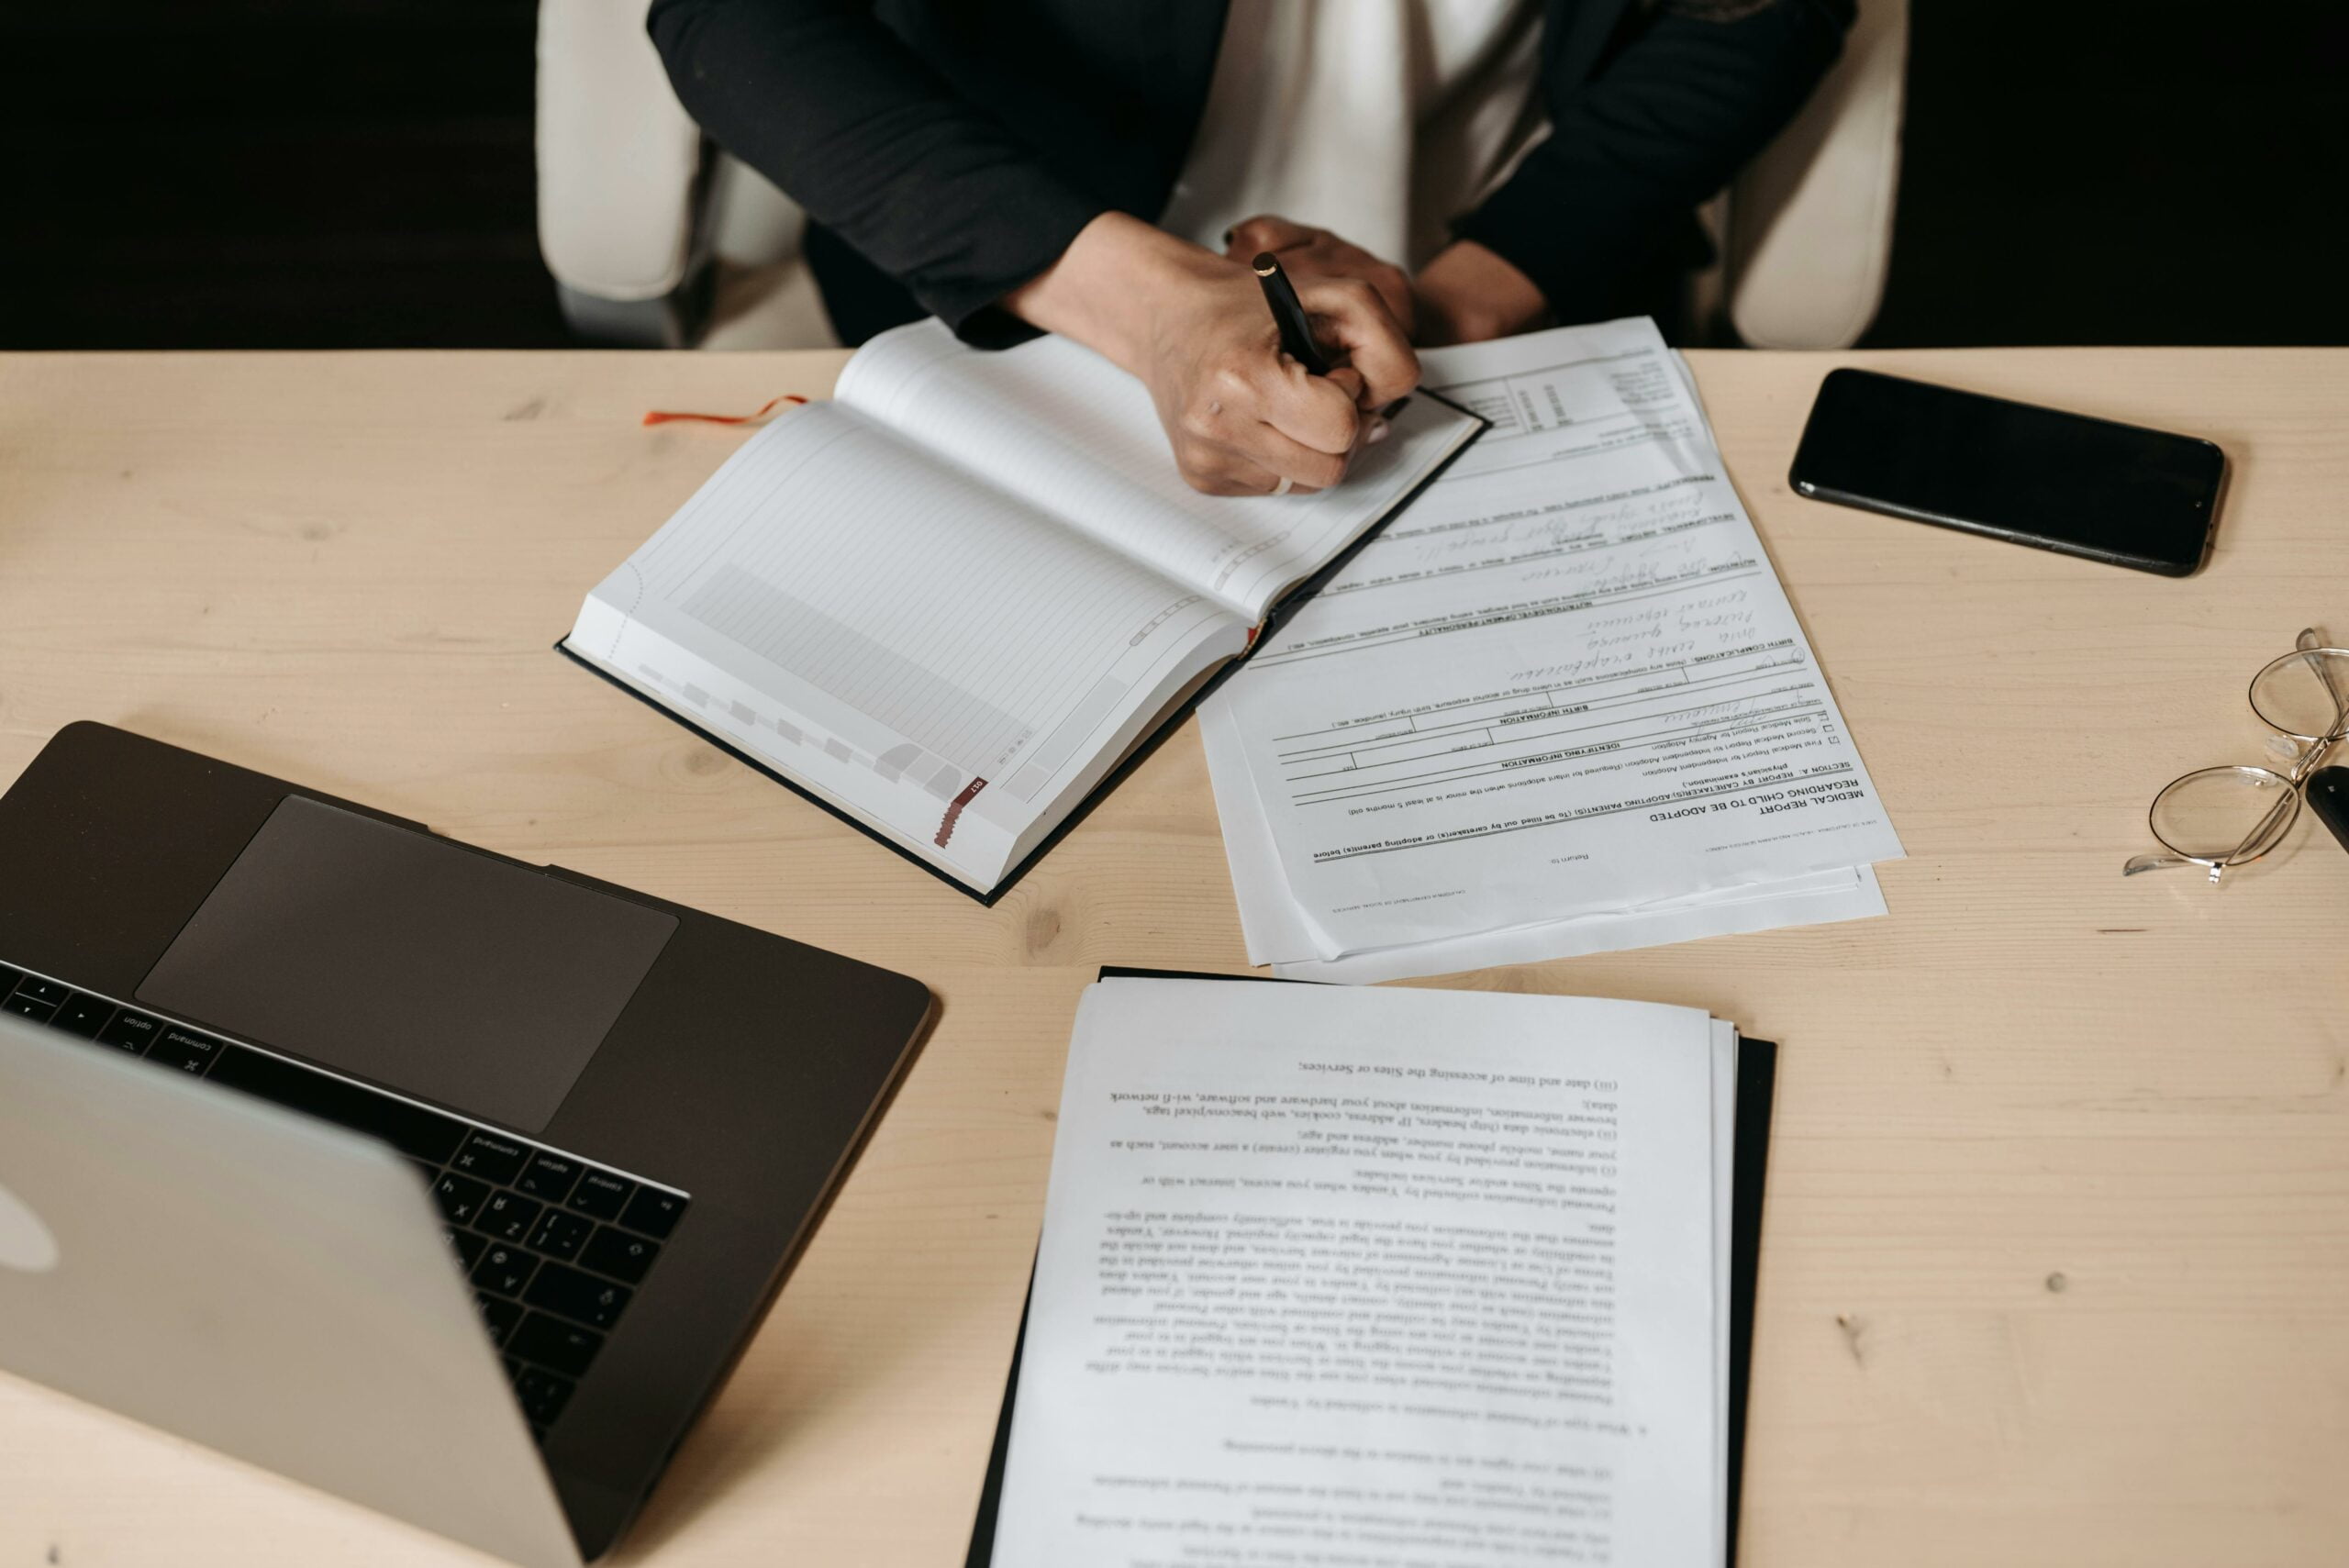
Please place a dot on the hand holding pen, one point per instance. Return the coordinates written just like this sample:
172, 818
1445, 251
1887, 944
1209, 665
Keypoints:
1243, 418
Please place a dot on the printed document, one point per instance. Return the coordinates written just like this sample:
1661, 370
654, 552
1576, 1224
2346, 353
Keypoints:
1378, 1277
1564, 690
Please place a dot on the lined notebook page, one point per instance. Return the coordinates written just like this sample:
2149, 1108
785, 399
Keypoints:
919, 646
1053, 422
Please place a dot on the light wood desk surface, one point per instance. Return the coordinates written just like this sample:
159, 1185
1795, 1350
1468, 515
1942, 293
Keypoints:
2057, 1260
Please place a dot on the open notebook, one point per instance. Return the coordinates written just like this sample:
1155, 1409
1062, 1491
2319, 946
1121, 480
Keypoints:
948, 604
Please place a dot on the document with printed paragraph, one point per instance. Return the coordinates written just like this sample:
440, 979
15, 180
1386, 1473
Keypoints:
1563, 706
1383, 1277
948, 603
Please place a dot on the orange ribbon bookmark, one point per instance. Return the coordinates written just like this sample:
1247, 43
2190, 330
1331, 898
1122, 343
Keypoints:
663, 415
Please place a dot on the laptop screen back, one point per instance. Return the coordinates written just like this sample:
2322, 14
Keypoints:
258, 1282
411, 962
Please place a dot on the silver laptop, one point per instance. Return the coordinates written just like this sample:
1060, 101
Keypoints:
260, 1283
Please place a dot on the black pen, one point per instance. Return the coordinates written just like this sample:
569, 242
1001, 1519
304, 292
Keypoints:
1288, 314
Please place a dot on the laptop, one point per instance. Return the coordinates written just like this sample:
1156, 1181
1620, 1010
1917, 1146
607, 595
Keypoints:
447, 1183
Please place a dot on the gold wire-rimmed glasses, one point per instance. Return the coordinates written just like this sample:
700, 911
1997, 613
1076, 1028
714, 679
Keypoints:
2223, 818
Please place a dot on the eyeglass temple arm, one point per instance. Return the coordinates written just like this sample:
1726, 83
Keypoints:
2309, 641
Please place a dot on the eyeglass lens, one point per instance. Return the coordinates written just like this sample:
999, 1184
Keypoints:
2213, 815
2302, 694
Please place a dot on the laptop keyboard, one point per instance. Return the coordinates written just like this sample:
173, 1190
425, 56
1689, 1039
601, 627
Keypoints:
555, 1247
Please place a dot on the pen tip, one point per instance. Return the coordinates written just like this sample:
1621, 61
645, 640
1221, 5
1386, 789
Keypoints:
1265, 265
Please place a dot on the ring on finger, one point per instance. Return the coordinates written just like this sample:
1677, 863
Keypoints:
1285, 486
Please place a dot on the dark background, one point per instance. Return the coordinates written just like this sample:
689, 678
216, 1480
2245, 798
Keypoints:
346, 173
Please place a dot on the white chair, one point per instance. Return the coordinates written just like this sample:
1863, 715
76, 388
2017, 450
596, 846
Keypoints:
655, 239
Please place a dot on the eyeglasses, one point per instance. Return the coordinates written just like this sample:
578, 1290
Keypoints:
2224, 817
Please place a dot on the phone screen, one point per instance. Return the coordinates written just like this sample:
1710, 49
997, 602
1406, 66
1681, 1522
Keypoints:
2115, 493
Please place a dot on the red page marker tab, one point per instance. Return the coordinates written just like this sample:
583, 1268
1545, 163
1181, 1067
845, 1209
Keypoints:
662, 415
954, 810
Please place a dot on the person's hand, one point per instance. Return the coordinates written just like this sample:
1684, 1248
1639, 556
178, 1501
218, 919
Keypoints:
1241, 416
1466, 295
1317, 253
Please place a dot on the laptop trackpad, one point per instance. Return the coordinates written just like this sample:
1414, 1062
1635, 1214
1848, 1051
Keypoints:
401, 958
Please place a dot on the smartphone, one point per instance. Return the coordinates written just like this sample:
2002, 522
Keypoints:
2119, 494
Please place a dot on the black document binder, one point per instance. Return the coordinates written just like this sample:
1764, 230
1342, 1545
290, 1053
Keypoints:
1757, 1077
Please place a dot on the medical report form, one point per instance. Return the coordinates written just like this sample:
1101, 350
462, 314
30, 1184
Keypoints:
1566, 686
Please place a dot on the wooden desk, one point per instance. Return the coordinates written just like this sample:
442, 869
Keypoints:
2056, 1266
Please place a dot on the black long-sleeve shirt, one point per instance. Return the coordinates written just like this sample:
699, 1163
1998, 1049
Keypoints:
957, 146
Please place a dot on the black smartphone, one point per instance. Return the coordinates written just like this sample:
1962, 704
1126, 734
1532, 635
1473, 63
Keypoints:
2120, 493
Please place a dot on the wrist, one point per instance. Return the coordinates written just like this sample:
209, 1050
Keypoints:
1469, 295
1101, 290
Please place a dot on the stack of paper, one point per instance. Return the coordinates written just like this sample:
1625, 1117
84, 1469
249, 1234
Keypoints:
1379, 1277
1561, 706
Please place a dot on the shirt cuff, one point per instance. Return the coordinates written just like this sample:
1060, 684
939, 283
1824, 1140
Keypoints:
1579, 245
1025, 235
